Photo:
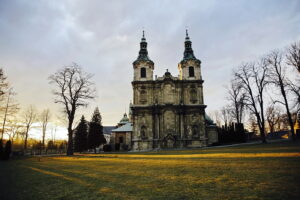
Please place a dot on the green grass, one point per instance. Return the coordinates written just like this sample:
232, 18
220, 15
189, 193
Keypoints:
270, 171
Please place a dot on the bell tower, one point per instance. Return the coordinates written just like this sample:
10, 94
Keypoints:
189, 67
143, 66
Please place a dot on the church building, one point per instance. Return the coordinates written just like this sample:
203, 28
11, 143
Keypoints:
168, 111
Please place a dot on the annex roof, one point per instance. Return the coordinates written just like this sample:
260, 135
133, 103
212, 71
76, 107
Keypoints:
125, 128
108, 129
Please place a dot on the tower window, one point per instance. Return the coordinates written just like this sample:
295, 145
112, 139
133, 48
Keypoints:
191, 72
143, 72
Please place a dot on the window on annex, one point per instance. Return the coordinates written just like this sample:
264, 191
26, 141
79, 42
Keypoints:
121, 140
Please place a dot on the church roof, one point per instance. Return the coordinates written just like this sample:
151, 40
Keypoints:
108, 129
125, 128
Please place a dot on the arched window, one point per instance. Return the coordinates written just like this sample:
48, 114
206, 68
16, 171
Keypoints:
143, 72
191, 72
143, 132
193, 95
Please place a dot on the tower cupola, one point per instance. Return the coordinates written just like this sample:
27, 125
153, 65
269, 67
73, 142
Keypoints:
143, 66
188, 51
189, 66
143, 53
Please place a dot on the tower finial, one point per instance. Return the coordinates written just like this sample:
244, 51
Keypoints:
188, 51
143, 33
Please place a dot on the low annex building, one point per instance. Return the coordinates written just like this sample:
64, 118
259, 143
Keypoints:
121, 135
169, 111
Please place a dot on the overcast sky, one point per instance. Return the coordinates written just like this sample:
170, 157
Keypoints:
39, 37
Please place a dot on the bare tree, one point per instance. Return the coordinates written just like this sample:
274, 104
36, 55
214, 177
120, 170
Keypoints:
3, 83
53, 133
252, 78
253, 124
236, 98
44, 117
29, 117
14, 129
225, 115
295, 89
73, 89
278, 78
273, 115
217, 117
293, 55
11, 108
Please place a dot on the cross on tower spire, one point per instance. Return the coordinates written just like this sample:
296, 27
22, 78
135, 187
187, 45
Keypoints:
143, 53
188, 51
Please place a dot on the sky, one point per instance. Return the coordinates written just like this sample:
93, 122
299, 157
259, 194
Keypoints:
39, 37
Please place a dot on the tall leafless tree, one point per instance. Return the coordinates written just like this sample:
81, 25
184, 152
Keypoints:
14, 129
73, 88
226, 115
252, 124
252, 78
236, 97
293, 59
273, 116
11, 108
29, 117
293, 55
278, 78
3, 83
44, 117
295, 89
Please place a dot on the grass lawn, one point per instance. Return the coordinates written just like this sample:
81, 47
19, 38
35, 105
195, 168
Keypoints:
270, 171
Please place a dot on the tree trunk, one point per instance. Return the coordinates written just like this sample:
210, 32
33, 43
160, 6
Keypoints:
70, 138
70, 142
43, 140
263, 135
288, 112
26, 138
4, 120
261, 128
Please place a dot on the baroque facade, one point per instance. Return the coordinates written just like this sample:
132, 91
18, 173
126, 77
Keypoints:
168, 111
